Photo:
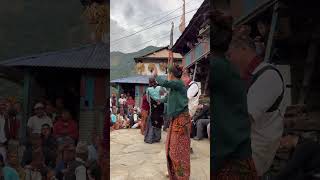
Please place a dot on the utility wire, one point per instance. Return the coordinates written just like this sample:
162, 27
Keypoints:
167, 35
166, 11
160, 36
155, 35
151, 23
151, 26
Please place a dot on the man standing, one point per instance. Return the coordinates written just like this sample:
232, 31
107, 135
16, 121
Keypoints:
35, 122
265, 92
194, 92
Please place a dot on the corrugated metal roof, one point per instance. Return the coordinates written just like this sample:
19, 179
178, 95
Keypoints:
93, 56
138, 79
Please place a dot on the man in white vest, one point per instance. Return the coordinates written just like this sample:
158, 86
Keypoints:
265, 91
193, 93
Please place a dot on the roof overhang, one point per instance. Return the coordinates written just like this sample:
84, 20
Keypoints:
190, 34
259, 9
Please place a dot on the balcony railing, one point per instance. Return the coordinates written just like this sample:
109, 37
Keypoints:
197, 53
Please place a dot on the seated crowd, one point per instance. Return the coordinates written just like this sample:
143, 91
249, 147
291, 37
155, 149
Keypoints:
124, 115
51, 149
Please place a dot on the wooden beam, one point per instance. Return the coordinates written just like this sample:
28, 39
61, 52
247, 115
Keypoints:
195, 71
273, 27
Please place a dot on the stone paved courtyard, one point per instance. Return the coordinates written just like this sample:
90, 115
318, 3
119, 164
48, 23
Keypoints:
132, 159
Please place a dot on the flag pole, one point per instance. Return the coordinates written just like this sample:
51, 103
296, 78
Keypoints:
170, 57
182, 25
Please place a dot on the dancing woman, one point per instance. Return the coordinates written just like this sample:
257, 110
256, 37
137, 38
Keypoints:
155, 119
178, 137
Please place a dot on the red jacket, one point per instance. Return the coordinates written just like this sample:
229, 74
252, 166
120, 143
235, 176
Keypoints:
130, 102
69, 128
145, 104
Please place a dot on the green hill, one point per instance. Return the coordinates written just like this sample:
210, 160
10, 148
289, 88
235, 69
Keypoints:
122, 65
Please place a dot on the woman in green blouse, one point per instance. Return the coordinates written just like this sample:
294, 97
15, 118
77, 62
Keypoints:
178, 137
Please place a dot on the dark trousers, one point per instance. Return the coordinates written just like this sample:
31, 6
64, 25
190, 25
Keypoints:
305, 162
201, 127
166, 122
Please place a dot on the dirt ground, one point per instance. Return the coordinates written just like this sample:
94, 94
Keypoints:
132, 159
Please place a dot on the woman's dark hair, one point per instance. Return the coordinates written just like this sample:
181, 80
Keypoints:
152, 82
176, 70
221, 32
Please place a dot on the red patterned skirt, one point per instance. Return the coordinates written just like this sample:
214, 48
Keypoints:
178, 147
144, 117
237, 170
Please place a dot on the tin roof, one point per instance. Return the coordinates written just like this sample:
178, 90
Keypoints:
93, 56
137, 79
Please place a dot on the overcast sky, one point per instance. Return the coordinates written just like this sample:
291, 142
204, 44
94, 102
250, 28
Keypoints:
128, 17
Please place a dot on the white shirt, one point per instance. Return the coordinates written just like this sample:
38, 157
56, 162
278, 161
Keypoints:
267, 128
193, 94
135, 117
122, 101
35, 123
2, 129
81, 171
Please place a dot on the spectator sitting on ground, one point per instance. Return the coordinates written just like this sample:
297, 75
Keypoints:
40, 118
33, 143
49, 146
65, 127
130, 102
93, 148
60, 161
201, 120
13, 161
122, 120
131, 117
37, 169
113, 118
136, 119
7, 173
75, 159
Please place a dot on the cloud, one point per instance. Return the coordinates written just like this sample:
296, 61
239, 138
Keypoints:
128, 17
